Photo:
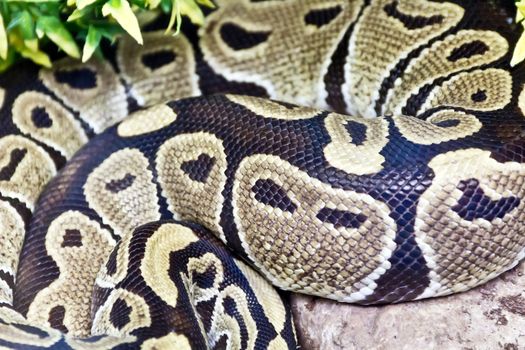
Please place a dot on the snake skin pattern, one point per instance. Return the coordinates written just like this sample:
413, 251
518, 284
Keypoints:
401, 178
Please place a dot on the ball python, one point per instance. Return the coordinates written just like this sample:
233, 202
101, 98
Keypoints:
367, 151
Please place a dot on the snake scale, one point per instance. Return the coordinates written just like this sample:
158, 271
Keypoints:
401, 178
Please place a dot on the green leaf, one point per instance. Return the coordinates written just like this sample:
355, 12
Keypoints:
519, 51
110, 31
188, 8
8, 61
26, 25
166, 5
3, 39
519, 16
122, 13
38, 57
206, 3
520, 13
192, 10
153, 4
31, 44
92, 42
175, 17
57, 33
76, 14
83, 3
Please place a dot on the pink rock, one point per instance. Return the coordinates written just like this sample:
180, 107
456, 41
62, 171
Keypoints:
489, 317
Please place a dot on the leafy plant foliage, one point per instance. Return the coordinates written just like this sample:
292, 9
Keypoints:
77, 26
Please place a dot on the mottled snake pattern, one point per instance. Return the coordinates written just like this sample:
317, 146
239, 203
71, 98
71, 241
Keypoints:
151, 199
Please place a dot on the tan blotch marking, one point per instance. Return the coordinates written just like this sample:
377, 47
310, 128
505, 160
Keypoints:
146, 121
427, 132
200, 265
12, 230
8, 315
170, 341
65, 134
270, 109
106, 280
271, 63
434, 63
461, 253
191, 199
155, 265
380, 41
224, 324
139, 315
102, 343
170, 81
78, 257
17, 335
6, 292
295, 249
33, 171
100, 106
122, 192
278, 343
360, 159
480, 90
270, 301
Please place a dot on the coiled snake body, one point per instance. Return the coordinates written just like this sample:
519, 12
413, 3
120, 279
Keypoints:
407, 183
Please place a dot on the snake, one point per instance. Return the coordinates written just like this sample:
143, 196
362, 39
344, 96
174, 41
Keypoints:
171, 195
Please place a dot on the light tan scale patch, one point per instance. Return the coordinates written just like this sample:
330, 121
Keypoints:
173, 80
139, 314
270, 109
296, 250
428, 132
8, 315
122, 192
278, 343
224, 324
146, 121
155, 265
32, 172
190, 199
379, 41
290, 42
17, 335
170, 341
435, 62
12, 230
462, 253
6, 292
100, 106
107, 280
79, 246
102, 343
206, 262
479, 90
360, 159
65, 134
270, 301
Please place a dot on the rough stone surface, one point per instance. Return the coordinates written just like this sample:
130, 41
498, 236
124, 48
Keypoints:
489, 317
